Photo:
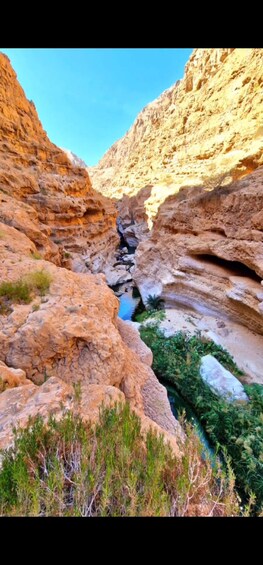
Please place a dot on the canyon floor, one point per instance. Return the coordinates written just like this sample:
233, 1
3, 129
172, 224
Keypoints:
244, 345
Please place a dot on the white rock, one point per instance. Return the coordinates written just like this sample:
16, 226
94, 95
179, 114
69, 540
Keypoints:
220, 380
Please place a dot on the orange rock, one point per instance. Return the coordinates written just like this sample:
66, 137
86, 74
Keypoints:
62, 212
207, 125
206, 252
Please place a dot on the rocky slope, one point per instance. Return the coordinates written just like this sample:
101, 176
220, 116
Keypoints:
206, 251
42, 193
71, 334
205, 127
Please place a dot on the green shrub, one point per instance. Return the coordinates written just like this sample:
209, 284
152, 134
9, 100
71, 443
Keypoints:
237, 428
36, 256
21, 291
39, 280
150, 315
154, 302
70, 468
17, 291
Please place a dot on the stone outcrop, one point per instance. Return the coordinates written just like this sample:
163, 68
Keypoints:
132, 218
221, 381
73, 333
43, 194
10, 377
206, 252
69, 334
205, 128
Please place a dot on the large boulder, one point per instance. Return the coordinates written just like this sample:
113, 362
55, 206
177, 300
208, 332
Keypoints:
220, 380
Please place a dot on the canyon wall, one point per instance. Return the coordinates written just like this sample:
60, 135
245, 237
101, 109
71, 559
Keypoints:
191, 167
206, 251
68, 333
43, 194
205, 129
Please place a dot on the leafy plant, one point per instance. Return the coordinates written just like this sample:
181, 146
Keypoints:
39, 280
150, 315
154, 302
70, 468
235, 428
17, 291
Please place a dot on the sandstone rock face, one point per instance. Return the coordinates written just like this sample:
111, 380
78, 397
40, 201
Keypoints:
72, 333
206, 252
10, 377
45, 196
220, 380
54, 398
132, 218
209, 124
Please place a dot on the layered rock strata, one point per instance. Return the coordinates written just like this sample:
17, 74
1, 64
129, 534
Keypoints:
205, 129
43, 194
206, 252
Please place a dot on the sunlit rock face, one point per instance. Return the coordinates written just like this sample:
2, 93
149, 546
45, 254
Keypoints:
43, 194
206, 252
205, 129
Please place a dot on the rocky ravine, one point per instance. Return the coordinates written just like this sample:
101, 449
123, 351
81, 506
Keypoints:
43, 194
207, 126
206, 252
72, 334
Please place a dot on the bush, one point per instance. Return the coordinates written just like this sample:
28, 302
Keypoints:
20, 291
154, 302
235, 428
15, 291
150, 315
39, 280
70, 468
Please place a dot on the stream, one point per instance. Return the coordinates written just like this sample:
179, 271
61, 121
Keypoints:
128, 305
130, 299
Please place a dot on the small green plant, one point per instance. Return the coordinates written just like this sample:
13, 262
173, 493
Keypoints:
154, 302
77, 392
36, 256
67, 255
35, 307
17, 291
20, 291
150, 315
39, 280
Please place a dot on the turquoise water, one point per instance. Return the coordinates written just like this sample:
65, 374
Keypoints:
178, 404
127, 305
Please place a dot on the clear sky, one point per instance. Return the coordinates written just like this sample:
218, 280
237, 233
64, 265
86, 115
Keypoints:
88, 98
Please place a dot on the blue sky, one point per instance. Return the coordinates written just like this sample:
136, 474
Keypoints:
88, 98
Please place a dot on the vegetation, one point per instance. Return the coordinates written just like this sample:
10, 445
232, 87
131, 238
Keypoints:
39, 280
154, 302
20, 291
17, 291
150, 315
67, 255
36, 256
70, 468
235, 428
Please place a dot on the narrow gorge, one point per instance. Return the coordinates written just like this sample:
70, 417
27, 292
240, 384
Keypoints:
136, 276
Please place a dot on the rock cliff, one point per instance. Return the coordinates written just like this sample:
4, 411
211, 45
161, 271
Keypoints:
206, 251
70, 333
206, 127
43, 194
